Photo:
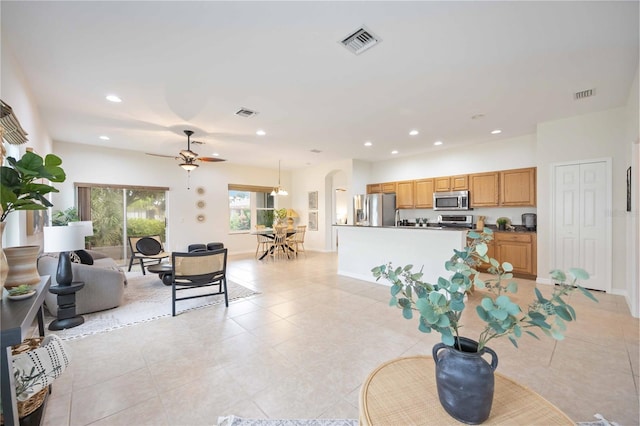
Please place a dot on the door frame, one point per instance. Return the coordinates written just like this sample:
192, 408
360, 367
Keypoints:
608, 208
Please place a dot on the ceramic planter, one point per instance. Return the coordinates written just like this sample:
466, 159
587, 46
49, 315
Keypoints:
465, 380
22, 261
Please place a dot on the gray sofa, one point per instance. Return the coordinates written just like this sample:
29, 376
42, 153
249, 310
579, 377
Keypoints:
103, 281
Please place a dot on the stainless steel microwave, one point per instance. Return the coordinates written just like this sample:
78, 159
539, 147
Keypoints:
457, 200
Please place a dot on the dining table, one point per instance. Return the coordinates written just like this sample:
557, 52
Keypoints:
271, 233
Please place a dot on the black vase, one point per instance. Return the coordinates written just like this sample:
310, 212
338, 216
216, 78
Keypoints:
465, 380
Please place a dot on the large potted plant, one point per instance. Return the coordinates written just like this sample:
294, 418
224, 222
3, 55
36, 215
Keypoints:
21, 188
464, 379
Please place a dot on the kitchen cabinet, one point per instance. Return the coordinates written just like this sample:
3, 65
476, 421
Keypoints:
452, 183
423, 193
389, 187
517, 248
518, 187
374, 188
404, 195
381, 188
484, 190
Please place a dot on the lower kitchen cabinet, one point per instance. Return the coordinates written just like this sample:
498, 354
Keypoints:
517, 248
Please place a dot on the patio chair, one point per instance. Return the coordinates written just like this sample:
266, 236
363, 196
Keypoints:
146, 250
196, 270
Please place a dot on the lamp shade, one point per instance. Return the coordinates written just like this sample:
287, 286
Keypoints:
63, 238
85, 225
291, 213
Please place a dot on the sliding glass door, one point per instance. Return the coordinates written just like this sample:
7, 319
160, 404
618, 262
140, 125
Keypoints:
121, 212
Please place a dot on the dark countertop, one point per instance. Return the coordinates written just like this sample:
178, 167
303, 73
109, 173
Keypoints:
516, 228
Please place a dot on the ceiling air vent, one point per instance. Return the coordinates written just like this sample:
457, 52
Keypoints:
316, 151
244, 112
584, 94
361, 40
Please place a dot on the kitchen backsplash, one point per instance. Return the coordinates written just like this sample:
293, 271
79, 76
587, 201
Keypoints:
490, 214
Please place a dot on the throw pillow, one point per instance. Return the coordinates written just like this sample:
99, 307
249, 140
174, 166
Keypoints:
85, 257
74, 258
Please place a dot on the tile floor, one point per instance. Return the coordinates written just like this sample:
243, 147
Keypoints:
303, 347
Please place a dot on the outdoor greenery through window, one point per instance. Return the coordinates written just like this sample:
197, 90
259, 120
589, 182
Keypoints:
249, 206
118, 212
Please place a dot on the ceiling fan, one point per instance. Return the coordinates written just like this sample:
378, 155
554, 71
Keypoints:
189, 158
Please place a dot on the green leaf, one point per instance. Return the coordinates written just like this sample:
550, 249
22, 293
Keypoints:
503, 301
556, 334
457, 305
487, 304
478, 282
558, 275
587, 293
423, 307
499, 314
513, 341
494, 262
407, 312
484, 316
512, 287
407, 268
563, 313
507, 266
579, 273
517, 331
539, 295
443, 321
482, 249
395, 289
530, 333
393, 301
423, 326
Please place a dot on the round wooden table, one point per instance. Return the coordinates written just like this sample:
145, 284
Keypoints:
403, 392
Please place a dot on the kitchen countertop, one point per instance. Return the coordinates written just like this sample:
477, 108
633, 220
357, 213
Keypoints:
494, 228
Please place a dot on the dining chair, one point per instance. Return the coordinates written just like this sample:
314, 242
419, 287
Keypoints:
198, 269
264, 242
279, 242
297, 240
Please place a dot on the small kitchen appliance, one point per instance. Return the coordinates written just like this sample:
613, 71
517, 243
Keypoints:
529, 220
457, 200
455, 221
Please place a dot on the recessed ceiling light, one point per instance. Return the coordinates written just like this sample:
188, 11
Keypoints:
395, 151
413, 132
437, 143
261, 132
496, 131
113, 98
215, 154
104, 138
368, 143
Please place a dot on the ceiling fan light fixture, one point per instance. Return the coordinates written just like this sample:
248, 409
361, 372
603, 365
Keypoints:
189, 166
187, 153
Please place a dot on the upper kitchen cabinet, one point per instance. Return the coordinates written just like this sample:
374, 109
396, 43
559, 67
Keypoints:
484, 189
404, 195
423, 193
518, 187
374, 188
452, 183
381, 188
389, 187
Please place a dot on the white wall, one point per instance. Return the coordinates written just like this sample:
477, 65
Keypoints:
585, 137
90, 164
15, 92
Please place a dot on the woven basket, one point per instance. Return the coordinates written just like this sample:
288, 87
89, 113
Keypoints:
32, 404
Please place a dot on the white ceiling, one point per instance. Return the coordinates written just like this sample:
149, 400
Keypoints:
191, 65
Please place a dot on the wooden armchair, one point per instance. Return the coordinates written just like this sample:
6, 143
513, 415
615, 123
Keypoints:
146, 250
194, 270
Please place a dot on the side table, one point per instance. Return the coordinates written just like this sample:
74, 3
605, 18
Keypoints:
403, 392
16, 321
67, 317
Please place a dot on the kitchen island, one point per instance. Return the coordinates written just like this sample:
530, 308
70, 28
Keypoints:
360, 248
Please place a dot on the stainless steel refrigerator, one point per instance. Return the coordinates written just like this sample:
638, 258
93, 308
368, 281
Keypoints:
374, 209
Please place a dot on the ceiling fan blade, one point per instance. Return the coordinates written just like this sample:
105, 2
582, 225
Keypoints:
160, 155
210, 159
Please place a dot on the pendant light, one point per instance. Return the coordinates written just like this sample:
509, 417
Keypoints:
278, 190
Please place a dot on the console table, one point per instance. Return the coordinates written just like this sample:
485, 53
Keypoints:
403, 392
17, 319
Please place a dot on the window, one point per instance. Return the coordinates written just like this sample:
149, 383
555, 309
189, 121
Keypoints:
249, 206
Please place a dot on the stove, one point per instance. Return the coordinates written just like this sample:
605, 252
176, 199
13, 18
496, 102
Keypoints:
455, 221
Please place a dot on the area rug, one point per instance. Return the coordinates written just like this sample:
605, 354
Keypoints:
145, 299
239, 421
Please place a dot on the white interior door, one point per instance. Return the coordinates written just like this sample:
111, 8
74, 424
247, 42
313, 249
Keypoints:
581, 224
